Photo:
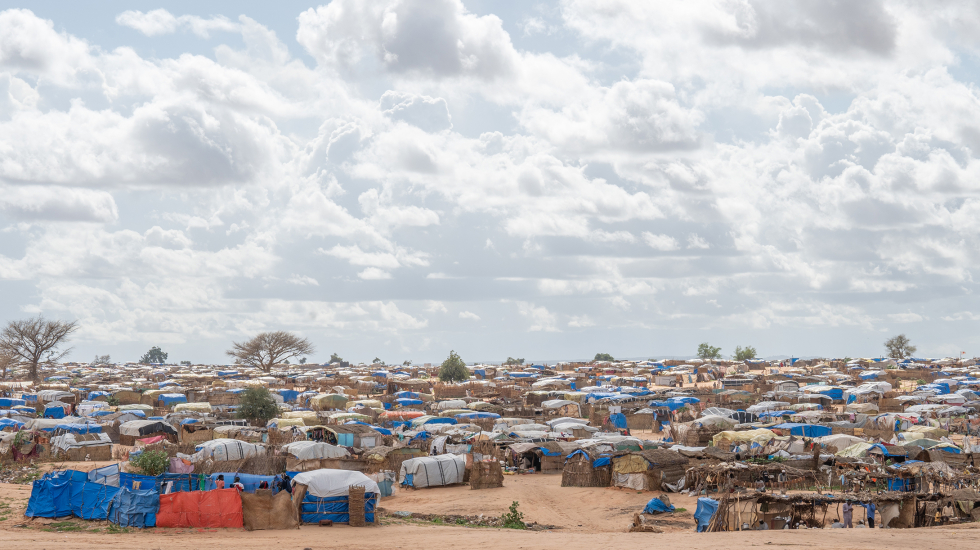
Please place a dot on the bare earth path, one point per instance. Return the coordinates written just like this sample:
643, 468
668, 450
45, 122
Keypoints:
586, 519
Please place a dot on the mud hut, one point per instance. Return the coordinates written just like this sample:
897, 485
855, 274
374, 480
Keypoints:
585, 470
648, 470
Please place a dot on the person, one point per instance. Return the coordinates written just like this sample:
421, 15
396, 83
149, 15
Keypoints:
947, 512
848, 510
763, 526
238, 484
860, 524
765, 477
782, 480
837, 524
284, 484
220, 483
760, 485
870, 507
264, 485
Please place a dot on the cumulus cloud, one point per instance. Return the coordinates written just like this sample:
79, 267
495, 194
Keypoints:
160, 21
698, 166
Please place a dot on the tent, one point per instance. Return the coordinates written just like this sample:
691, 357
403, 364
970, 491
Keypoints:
432, 471
226, 449
310, 450
325, 495
804, 430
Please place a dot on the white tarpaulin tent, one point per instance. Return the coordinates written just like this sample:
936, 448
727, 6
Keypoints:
71, 441
335, 483
226, 449
432, 471
311, 450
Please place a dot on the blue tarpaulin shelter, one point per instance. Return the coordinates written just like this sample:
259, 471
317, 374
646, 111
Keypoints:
336, 509
7, 402
55, 412
169, 399
288, 396
618, 420
68, 493
250, 481
135, 508
707, 507
656, 506
74, 428
803, 430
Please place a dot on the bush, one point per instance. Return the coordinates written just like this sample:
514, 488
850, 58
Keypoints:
151, 463
513, 519
257, 405
453, 369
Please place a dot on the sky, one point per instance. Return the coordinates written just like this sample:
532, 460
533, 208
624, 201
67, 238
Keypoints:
545, 180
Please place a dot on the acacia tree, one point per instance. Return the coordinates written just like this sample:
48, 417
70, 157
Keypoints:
514, 361
35, 341
742, 354
154, 356
270, 348
7, 363
899, 347
603, 357
453, 369
707, 351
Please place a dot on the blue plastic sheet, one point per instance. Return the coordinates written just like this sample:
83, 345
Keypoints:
656, 506
337, 509
135, 508
707, 507
618, 420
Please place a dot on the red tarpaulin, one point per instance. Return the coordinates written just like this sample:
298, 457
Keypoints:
217, 508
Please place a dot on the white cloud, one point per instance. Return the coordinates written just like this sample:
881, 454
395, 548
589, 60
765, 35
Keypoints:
539, 318
160, 21
694, 241
660, 242
374, 274
469, 315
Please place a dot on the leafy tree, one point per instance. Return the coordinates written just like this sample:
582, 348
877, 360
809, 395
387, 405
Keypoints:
899, 347
101, 360
269, 348
453, 369
155, 355
34, 342
256, 405
707, 351
407, 363
152, 462
603, 357
185, 363
741, 354
334, 358
512, 361
302, 360
377, 361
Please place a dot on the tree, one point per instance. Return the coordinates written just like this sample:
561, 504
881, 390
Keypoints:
269, 348
302, 360
256, 405
36, 341
742, 354
377, 361
7, 363
154, 356
407, 363
603, 357
102, 360
185, 363
453, 369
512, 361
707, 351
334, 358
899, 347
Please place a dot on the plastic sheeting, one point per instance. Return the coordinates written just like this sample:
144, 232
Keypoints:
134, 508
227, 449
69, 493
326, 483
656, 506
210, 509
308, 450
432, 471
336, 509
707, 508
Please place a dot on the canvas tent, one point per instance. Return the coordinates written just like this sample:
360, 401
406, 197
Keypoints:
432, 471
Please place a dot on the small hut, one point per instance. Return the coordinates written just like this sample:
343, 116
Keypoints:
648, 470
486, 475
584, 470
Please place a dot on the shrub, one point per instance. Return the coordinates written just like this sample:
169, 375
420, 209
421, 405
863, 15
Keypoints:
513, 519
257, 405
151, 463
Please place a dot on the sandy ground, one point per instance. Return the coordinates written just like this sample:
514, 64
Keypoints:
583, 519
